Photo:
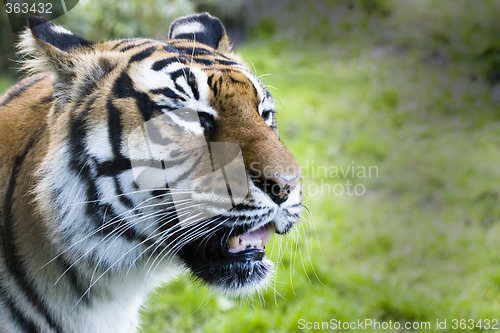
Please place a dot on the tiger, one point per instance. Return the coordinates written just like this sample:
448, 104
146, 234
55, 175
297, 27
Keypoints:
127, 163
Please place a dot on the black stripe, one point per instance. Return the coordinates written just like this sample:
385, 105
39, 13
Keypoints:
18, 89
248, 207
124, 41
217, 86
118, 227
78, 161
235, 81
193, 85
80, 165
171, 49
47, 99
123, 86
210, 79
73, 276
178, 73
160, 192
14, 263
207, 121
160, 64
167, 92
113, 167
92, 78
180, 88
26, 324
144, 54
196, 51
294, 215
215, 89
125, 200
130, 47
145, 105
114, 129
168, 222
191, 168
115, 136
105, 214
251, 218
227, 62
204, 61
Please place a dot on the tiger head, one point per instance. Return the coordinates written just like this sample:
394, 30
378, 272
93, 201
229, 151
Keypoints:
163, 151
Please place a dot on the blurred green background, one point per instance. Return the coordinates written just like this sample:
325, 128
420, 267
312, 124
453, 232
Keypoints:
408, 90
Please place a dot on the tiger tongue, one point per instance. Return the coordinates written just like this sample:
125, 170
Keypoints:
254, 239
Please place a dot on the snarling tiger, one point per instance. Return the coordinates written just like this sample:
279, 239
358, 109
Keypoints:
124, 163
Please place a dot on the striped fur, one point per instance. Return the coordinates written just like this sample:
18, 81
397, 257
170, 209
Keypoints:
85, 235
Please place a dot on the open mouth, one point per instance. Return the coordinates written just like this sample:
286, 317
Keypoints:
233, 261
254, 240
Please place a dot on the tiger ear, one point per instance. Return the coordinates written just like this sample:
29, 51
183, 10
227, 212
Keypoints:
49, 33
202, 28
46, 47
73, 62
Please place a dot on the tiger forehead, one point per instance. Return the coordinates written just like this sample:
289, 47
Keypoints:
227, 85
181, 51
225, 77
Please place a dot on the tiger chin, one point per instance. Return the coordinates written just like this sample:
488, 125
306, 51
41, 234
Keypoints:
124, 163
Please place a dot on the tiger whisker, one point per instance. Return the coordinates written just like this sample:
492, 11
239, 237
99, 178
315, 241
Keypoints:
205, 301
176, 239
93, 282
159, 235
264, 75
96, 245
170, 190
81, 256
183, 241
310, 259
136, 222
270, 86
100, 229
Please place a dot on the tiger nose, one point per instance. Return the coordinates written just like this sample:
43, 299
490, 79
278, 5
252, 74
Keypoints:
276, 186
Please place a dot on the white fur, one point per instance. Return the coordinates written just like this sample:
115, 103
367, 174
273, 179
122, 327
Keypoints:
190, 27
97, 143
60, 30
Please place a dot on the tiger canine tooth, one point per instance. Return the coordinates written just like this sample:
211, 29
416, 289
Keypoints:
271, 230
233, 242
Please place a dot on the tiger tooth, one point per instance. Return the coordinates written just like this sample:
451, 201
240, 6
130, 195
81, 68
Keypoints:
254, 243
269, 235
233, 242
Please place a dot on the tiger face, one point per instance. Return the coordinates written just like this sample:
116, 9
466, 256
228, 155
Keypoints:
162, 151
